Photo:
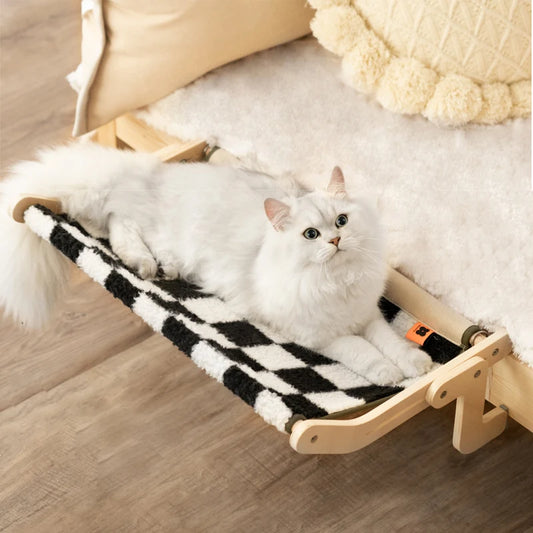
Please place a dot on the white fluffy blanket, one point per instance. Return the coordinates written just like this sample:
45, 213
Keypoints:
457, 203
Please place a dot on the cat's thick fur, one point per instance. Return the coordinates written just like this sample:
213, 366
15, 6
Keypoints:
236, 233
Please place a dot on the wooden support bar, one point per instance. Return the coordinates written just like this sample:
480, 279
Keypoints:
17, 213
106, 135
345, 436
141, 137
191, 151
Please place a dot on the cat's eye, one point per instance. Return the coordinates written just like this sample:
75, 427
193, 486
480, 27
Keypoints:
311, 233
342, 220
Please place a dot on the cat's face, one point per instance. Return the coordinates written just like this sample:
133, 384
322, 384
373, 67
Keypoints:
328, 228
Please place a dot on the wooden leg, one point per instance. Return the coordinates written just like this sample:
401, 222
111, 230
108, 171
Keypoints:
467, 384
106, 135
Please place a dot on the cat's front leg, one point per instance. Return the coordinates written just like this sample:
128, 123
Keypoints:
126, 241
412, 361
93, 228
364, 359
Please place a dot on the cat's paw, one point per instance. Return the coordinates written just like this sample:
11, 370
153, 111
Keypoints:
384, 373
170, 271
415, 362
147, 268
168, 264
144, 265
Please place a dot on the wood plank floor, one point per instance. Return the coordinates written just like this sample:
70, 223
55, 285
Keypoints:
106, 427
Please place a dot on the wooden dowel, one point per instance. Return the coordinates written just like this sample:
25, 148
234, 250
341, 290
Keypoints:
420, 304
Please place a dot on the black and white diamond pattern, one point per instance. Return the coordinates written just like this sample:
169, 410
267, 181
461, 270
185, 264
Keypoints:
278, 378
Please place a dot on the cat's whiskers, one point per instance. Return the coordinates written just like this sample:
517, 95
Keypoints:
329, 281
325, 254
370, 255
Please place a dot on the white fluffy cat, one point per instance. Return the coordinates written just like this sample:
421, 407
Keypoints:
310, 265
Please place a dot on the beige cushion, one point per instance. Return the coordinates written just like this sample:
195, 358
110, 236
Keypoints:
135, 52
487, 41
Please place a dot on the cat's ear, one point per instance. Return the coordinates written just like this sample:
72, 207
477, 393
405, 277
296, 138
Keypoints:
336, 185
277, 212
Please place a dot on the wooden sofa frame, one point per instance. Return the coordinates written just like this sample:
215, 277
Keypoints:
485, 371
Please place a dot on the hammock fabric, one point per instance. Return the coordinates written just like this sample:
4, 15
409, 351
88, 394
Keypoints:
281, 380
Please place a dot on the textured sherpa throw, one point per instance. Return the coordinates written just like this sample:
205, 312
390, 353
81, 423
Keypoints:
457, 204
279, 379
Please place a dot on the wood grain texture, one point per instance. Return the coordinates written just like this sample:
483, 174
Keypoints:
40, 42
145, 441
511, 384
89, 326
106, 427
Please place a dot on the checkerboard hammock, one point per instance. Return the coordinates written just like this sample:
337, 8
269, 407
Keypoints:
282, 381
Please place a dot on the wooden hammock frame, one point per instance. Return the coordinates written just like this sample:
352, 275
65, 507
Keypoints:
486, 371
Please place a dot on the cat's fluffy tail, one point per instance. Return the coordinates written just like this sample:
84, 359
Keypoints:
33, 273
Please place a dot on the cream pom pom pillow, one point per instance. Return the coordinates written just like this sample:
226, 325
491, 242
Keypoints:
453, 61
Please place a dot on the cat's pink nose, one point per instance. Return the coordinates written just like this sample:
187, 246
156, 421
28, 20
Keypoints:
335, 241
